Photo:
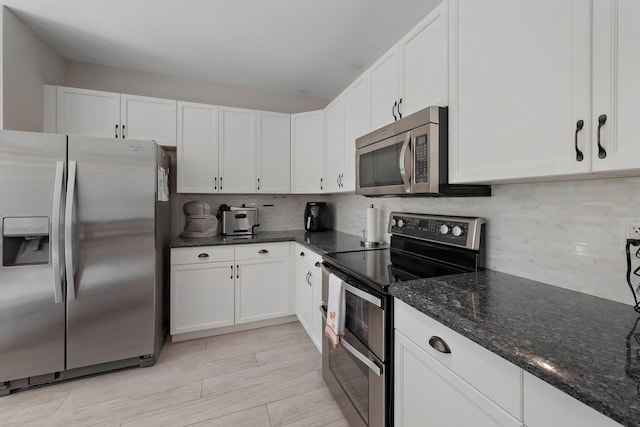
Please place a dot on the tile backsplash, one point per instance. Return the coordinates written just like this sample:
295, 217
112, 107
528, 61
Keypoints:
563, 233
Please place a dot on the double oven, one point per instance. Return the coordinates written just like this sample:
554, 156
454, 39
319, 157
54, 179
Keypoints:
359, 373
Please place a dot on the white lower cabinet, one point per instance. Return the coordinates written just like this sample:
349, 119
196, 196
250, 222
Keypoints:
308, 284
429, 394
219, 286
545, 405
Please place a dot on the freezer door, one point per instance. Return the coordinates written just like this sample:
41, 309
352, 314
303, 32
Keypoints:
110, 250
32, 309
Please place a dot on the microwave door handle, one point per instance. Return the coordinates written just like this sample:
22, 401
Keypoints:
406, 177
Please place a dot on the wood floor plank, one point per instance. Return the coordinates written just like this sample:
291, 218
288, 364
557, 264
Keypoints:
316, 408
252, 417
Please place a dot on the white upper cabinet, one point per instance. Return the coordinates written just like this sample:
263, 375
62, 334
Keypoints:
356, 124
307, 152
237, 150
423, 63
519, 87
113, 115
197, 148
385, 89
87, 112
334, 122
616, 86
274, 152
142, 117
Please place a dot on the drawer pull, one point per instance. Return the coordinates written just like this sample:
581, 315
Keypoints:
317, 264
301, 253
203, 255
439, 344
263, 251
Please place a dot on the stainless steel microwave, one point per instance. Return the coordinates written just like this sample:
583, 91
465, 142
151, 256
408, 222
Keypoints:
409, 157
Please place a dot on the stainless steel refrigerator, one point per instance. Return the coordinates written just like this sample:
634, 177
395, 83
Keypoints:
85, 227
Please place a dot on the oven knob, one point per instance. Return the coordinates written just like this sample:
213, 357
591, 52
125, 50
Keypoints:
444, 229
400, 223
457, 231
393, 222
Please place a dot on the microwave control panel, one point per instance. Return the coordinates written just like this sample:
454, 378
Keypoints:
421, 159
457, 231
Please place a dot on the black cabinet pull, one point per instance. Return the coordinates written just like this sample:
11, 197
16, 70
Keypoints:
203, 255
301, 253
341, 180
317, 264
263, 251
258, 184
321, 183
399, 113
602, 119
307, 279
393, 111
116, 131
237, 271
438, 344
231, 271
579, 126
122, 131
221, 183
215, 183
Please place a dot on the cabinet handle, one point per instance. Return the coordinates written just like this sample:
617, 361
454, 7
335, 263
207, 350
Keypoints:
123, 136
116, 131
320, 183
258, 184
263, 251
602, 119
301, 253
237, 271
341, 180
317, 264
579, 126
231, 271
439, 344
203, 255
308, 275
215, 183
221, 183
393, 111
399, 113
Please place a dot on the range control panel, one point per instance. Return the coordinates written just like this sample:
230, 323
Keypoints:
457, 231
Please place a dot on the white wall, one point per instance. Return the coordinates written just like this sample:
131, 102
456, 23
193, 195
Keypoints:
27, 64
562, 233
110, 79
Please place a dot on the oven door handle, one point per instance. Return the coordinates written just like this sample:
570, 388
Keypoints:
362, 294
372, 365
406, 178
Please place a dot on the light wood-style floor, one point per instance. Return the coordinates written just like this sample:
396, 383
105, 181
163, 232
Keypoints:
263, 377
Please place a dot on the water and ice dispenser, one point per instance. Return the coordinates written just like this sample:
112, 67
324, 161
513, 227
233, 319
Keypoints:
25, 241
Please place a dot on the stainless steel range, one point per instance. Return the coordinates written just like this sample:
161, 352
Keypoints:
359, 372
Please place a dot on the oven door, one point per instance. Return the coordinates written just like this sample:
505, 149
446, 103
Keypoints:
384, 167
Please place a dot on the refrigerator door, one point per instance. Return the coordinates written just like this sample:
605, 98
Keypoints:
32, 309
110, 247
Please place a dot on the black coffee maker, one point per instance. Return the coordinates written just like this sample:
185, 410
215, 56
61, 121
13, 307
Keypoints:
316, 217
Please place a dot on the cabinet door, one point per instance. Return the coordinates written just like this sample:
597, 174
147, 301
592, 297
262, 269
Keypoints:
237, 150
317, 325
262, 289
426, 392
274, 152
88, 112
356, 124
307, 152
197, 150
384, 89
334, 124
616, 87
545, 405
304, 296
519, 85
424, 63
202, 296
149, 118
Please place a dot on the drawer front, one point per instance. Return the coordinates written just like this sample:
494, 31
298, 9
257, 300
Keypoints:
262, 250
495, 377
307, 256
202, 254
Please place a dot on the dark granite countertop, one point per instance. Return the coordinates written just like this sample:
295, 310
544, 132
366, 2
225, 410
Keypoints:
586, 346
321, 242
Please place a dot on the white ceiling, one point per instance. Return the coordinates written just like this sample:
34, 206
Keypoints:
304, 47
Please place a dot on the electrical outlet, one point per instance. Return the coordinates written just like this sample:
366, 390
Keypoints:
629, 229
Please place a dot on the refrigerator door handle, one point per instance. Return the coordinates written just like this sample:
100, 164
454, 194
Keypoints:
55, 233
68, 231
